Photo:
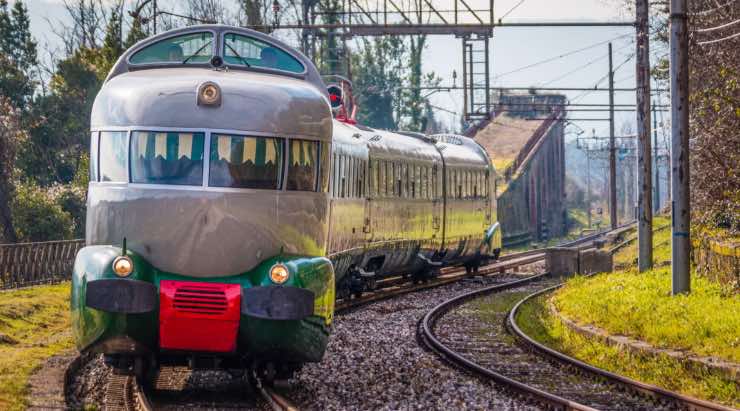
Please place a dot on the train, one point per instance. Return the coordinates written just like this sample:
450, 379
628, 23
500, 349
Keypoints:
232, 200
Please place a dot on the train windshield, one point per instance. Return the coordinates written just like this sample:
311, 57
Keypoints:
167, 157
247, 51
245, 162
192, 48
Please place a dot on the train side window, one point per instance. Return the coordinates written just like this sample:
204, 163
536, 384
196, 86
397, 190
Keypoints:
324, 166
468, 185
459, 174
391, 179
405, 192
167, 158
113, 156
94, 139
341, 175
381, 178
302, 165
360, 178
477, 187
334, 174
245, 162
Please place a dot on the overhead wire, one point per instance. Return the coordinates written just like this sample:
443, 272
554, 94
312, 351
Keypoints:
550, 59
511, 9
730, 37
589, 63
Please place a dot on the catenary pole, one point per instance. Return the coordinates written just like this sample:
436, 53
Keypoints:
656, 166
681, 208
644, 155
612, 149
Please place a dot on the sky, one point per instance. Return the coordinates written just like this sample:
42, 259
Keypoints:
511, 48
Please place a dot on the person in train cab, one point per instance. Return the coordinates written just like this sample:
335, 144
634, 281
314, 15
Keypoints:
174, 53
269, 57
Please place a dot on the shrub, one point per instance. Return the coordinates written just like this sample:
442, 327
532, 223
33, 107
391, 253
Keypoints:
38, 217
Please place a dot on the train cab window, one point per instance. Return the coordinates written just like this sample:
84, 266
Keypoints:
113, 156
245, 162
246, 51
191, 48
94, 139
423, 180
167, 158
302, 165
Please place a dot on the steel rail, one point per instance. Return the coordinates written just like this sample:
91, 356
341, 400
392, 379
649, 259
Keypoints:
651, 390
427, 336
276, 401
124, 392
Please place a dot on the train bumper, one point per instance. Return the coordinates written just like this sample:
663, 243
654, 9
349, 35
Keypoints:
244, 316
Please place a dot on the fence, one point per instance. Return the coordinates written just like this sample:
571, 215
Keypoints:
27, 264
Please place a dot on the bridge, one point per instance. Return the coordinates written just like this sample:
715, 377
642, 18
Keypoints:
525, 138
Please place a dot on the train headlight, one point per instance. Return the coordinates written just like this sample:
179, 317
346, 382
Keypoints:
123, 266
279, 274
209, 94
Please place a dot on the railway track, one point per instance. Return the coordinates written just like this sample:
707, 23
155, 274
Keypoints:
648, 390
487, 348
125, 393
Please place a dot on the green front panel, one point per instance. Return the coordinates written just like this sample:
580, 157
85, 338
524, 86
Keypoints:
303, 340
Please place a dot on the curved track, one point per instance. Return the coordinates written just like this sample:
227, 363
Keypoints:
488, 350
652, 391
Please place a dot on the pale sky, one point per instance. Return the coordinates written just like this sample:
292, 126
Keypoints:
512, 48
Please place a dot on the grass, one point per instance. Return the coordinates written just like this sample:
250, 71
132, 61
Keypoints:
705, 322
34, 325
640, 305
535, 320
627, 256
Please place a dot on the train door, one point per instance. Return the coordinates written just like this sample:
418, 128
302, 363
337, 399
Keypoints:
484, 178
438, 206
369, 194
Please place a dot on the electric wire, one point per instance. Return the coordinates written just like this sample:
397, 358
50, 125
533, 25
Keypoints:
730, 37
548, 60
720, 27
511, 9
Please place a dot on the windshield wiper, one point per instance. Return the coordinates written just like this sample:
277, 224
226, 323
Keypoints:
197, 51
237, 55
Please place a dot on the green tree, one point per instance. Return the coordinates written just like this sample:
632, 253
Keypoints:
136, 33
11, 138
17, 54
112, 44
378, 80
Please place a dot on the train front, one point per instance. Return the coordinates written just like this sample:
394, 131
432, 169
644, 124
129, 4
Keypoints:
207, 207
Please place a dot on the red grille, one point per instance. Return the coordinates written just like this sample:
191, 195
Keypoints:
196, 316
200, 299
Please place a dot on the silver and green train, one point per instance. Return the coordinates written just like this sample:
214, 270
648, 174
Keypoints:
227, 207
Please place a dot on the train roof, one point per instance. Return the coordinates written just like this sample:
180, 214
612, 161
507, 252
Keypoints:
461, 151
216, 45
254, 103
457, 150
